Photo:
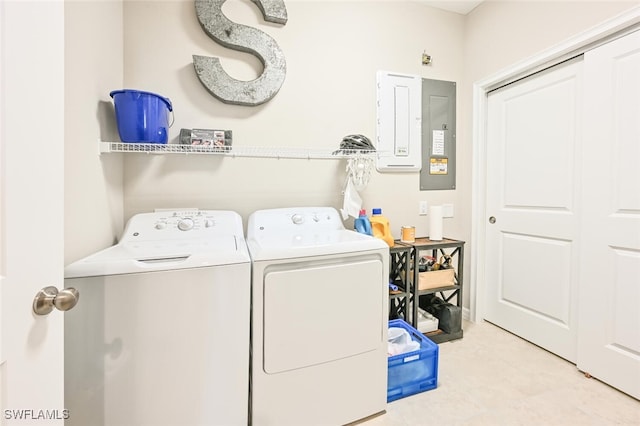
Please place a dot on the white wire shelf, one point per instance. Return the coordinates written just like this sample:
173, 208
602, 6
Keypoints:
235, 151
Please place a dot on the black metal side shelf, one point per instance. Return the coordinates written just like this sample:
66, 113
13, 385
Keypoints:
400, 277
446, 284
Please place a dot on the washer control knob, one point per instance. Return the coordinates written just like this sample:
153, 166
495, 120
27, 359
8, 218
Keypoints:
297, 219
161, 225
185, 224
209, 223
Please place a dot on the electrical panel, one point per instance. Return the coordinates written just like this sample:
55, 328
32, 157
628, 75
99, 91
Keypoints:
438, 135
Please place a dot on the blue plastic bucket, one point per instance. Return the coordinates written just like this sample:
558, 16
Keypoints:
142, 117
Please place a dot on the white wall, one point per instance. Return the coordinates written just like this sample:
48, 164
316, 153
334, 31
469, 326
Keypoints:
93, 183
501, 33
333, 50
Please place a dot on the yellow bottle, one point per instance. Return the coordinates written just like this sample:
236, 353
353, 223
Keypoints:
380, 227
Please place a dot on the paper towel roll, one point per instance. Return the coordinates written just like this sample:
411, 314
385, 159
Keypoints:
435, 223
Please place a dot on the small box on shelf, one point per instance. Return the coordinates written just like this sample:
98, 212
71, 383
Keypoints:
436, 279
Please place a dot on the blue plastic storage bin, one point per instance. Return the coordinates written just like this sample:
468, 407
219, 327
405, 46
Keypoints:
142, 117
412, 372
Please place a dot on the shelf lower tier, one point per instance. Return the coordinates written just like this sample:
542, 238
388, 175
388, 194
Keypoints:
400, 295
438, 289
440, 336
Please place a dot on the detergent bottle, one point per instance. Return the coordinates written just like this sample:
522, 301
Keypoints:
362, 224
380, 227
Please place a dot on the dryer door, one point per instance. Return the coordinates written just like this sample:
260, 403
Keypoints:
318, 312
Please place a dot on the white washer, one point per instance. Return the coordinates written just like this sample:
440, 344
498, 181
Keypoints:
160, 335
319, 319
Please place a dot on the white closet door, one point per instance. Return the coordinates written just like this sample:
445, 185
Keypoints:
32, 211
609, 299
532, 191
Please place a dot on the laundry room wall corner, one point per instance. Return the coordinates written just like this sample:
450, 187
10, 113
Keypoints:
93, 185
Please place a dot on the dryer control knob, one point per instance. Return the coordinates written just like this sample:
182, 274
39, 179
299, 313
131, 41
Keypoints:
297, 219
185, 224
161, 225
209, 223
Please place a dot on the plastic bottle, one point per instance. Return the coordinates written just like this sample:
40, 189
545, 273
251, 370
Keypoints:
362, 224
380, 227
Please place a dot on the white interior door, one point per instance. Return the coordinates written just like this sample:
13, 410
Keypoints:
31, 196
533, 170
609, 297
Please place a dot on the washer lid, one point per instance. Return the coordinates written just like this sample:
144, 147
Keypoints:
169, 240
154, 256
160, 256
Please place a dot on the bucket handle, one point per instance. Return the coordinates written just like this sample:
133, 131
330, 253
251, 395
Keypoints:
170, 107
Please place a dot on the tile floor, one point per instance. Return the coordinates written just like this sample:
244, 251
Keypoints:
492, 377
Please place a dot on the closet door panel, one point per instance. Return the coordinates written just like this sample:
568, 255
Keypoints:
533, 183
609, 297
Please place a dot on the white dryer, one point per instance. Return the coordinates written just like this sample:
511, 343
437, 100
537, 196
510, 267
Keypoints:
160, 335
319, 319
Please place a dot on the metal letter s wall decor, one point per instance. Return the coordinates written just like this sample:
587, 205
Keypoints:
245, 39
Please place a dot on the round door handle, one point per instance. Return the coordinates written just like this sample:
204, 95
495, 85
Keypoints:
492, 220
49, 298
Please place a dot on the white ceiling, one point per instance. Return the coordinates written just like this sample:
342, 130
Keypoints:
462, 7
458, 6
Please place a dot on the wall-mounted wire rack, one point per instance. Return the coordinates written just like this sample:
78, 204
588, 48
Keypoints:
235, 151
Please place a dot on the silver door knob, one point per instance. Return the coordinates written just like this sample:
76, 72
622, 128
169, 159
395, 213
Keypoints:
492, 220
49, 298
